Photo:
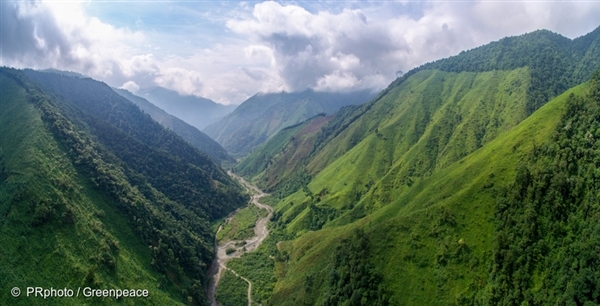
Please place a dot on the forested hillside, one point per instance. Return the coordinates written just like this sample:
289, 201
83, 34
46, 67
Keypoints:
435, 170
556, 62
95, 193
263, 115
547, 224
189, 133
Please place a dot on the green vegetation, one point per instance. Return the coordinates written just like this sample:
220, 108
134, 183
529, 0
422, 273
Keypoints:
556, 62
259, 160
171, 165
279, 164
470, 180
435, 237
352, 279
102, 200
57, 230
189, 133
232, 290
258, 267
263, 115
548, 221
427, 171
241, 226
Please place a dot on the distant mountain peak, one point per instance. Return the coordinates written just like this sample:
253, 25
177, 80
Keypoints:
196, 111
189, 133
65, 73
264, 114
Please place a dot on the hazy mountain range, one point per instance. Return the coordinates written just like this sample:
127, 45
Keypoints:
189, 133
196, 111
264, 114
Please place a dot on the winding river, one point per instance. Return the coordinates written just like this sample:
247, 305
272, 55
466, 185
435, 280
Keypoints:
261, 232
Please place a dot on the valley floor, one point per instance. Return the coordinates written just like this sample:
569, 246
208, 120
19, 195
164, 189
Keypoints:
230, 248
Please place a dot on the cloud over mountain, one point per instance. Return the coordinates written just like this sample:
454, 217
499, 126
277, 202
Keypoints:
363, 48
229, 51
61, 35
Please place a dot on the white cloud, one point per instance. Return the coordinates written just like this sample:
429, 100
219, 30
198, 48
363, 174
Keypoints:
337, 81
61, 35
357, 49
270, 46
131, 86
347, 50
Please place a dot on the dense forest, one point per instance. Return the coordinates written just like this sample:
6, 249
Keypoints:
166, 190
173, 166
548, 219
352, 278
189, 133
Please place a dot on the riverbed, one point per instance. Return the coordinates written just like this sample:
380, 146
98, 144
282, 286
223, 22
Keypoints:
236, 248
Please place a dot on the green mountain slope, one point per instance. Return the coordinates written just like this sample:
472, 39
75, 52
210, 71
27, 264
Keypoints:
547, 226
552, 62
263, 115
186, 131
415, 174
469, 109
278, 163
412, 104
431, 243
96, 194
556, 62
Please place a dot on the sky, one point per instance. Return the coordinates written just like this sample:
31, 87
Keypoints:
228, 51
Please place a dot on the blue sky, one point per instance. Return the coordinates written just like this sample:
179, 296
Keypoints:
229, 50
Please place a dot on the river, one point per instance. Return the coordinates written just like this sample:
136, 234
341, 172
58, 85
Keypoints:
216, 270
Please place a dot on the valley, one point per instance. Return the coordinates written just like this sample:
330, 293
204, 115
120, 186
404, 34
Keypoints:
367, 157
227, 249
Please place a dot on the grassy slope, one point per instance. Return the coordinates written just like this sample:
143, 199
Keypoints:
392, 158
443, 111
416, 236
415, 138
60, 253
555, 64
263, 115
280, 160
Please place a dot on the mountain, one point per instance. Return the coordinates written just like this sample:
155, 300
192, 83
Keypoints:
65, 73
94, 193
569, 60
469, 180
280, 161
189, 133
263, 115
196, 111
